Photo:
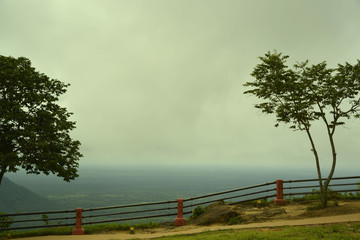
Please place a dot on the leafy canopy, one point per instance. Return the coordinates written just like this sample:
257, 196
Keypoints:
306, 93
34, 130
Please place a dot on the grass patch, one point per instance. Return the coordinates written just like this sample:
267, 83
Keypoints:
89, 229
37, 232
331, 196
106, 228
315, 207
330, 232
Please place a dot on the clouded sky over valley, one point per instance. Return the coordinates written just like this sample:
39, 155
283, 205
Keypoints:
161, 81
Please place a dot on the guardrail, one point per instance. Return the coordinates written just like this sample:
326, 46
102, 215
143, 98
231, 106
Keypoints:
79, 217
333, 188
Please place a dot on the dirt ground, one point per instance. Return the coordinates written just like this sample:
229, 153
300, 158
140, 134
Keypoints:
271, 216
219, 213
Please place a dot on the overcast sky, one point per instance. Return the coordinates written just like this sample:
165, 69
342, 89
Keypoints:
161, 81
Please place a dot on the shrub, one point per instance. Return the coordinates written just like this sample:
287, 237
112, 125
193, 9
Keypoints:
197, 212
45, 217
5, 222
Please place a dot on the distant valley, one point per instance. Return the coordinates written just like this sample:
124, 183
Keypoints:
107, 186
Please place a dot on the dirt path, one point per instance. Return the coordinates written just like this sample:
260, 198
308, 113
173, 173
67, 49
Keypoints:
154, 233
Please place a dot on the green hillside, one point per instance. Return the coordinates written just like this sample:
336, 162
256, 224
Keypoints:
16, 198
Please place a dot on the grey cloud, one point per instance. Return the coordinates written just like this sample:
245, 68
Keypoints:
161, 81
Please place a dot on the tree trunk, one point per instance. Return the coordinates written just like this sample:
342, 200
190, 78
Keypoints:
332, 171
2, 172
323, 193
324, 197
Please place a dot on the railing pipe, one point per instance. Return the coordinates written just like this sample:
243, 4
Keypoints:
229, 191
252, 199
237, 196
316, 186
39, 220
316, 179
303, 193
128, 205
123, 213
35, 213
131, 218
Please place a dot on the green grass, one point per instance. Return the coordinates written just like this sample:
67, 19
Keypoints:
89, 229
350, 231
37, 232
330, 232
331, 196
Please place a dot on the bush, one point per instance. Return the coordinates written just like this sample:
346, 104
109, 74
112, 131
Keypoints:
197, 212
5, 222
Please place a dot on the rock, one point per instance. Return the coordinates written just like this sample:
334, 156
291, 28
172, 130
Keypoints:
216, 213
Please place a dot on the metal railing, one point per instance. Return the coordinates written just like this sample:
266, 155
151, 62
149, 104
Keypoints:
6, 220
240, 197
85, 214
133, 212
295, 185
151, 210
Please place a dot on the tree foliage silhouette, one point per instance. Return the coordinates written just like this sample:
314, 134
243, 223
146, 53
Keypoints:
305, 94
34, 129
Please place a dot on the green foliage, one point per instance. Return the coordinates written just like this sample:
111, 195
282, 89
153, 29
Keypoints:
263, 202
38, 232
89, 229
45, 217
5, 222
197, 212
301, 95
331, 194
305, 94
336, 228
34, 129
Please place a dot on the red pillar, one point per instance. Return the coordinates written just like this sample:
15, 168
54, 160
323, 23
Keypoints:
180, 220
279, 193
78, 230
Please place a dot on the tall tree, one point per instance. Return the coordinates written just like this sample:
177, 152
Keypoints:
305, 94
34, 129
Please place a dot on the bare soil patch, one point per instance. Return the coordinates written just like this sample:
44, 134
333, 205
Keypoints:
219, 213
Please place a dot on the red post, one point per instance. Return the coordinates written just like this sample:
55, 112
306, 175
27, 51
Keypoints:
78, 230
180, 220
279, 193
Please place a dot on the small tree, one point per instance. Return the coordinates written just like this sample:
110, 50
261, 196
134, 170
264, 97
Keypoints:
34, 130
305, 94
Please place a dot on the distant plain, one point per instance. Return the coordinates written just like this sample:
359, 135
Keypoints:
103, 186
